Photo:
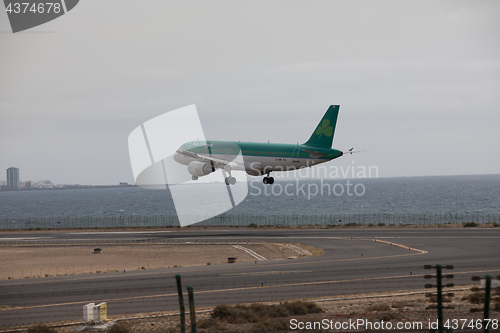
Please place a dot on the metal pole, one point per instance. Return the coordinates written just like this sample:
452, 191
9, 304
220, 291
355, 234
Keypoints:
439, 298
181, 303
487, 292
192, 313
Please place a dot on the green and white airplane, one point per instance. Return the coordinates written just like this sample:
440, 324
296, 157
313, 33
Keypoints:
204, 157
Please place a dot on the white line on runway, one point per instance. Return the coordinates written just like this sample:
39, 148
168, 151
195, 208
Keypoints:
250, 252
22, 238
451, 237
379, 237
267, 273
116, 232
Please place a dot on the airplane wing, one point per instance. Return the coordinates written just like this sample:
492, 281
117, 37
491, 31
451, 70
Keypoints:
217, 162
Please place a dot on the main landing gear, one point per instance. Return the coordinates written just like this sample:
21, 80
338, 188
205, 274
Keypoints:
230, 180
268, 180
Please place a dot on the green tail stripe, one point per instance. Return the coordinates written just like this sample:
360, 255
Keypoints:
324, 132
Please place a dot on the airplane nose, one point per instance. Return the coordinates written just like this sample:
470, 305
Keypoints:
177, 157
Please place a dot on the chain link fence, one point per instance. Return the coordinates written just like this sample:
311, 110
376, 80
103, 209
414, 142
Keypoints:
248, 220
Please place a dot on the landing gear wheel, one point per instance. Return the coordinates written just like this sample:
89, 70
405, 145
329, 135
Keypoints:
194, 178
268, 180
230, 180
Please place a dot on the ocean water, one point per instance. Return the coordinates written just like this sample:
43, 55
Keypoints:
411, 195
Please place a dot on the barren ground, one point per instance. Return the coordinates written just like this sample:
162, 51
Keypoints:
18, 262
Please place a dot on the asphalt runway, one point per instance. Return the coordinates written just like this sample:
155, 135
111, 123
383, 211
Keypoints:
349, 266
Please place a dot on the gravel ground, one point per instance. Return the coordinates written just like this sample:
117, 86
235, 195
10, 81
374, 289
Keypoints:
18, 262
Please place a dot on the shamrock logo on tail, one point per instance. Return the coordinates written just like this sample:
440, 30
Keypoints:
325, 129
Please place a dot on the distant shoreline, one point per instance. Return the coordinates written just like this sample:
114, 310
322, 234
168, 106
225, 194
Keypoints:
68, 187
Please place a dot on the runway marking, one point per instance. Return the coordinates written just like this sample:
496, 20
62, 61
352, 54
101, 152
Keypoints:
250, 252
445, 237
243, 288
405, 237
116, 232
403, 246
266, 273
386, 242
20, 238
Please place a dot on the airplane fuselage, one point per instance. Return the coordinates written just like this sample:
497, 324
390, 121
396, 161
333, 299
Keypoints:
259, 158
204, 157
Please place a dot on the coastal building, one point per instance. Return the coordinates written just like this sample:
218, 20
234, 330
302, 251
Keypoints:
44, 184
13, 178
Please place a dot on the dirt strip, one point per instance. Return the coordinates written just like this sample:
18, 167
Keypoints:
22, 262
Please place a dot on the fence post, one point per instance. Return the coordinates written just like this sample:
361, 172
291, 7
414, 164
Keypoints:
181, 304
192, 313
439, 294
487, 292
439, 298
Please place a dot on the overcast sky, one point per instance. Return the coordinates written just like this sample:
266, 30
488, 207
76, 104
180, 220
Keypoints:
417, 81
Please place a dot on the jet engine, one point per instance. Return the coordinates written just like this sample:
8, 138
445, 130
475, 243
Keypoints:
199, 169
254, 172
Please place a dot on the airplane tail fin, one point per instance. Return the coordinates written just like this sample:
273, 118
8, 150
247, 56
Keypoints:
323, 135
